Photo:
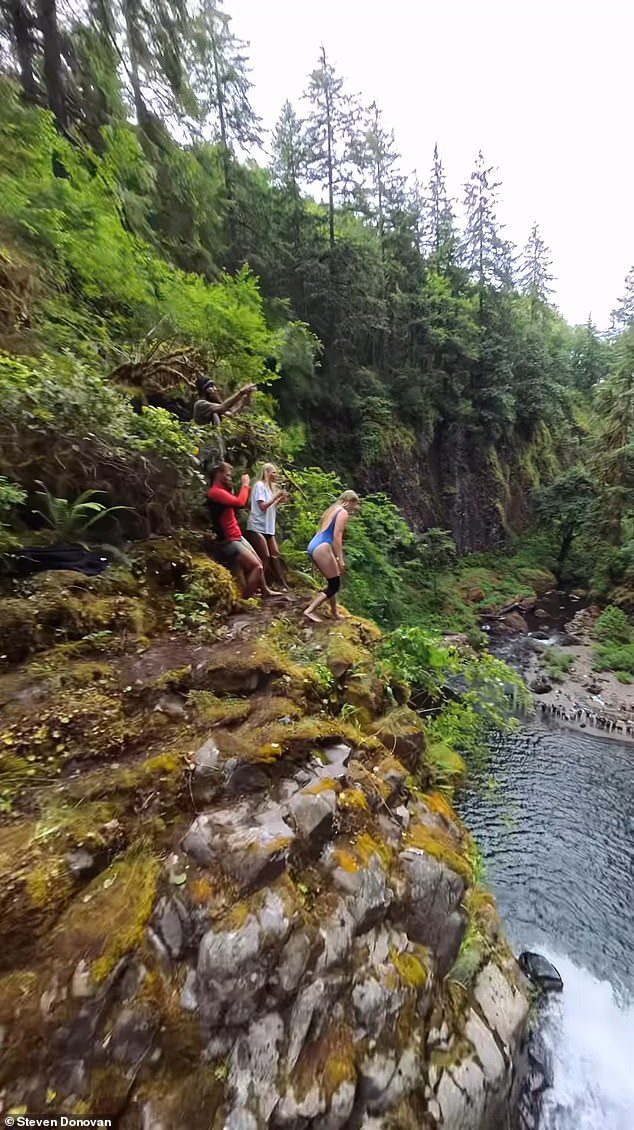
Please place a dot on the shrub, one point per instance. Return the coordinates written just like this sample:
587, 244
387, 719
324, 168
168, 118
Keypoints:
613, 625
61, 419
557, 663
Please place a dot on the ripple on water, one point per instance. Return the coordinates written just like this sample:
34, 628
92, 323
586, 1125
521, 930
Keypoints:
557, 837
558, 842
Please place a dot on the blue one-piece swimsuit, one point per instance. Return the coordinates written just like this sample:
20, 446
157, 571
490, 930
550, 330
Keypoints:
325, 537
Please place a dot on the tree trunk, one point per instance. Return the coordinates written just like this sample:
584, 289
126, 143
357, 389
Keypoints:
21, 27
133, 73
53, 77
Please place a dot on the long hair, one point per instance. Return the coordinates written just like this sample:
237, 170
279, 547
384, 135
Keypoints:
265, 473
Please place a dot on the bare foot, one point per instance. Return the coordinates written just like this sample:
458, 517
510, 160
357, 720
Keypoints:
313, 619
338, 616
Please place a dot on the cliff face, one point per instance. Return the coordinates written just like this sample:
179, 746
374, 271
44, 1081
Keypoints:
230, 895
480, 492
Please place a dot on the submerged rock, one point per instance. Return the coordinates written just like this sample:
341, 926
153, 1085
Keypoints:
541, 972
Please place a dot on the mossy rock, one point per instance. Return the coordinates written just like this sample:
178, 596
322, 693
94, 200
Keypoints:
440, 845
109, 920
196, 1100
54, 612
35, 884
402, 732
346, 649
18, 631
365, 693
329, 1060
220, 587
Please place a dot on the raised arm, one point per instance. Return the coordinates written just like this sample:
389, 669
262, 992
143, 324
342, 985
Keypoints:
226, 498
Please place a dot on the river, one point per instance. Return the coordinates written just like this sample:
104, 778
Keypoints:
553, 814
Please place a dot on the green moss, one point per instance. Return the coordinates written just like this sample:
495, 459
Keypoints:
214, 709
438, 844
410, 969
110, 918
403, 734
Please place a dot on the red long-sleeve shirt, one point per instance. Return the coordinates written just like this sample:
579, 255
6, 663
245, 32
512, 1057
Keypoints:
227, 504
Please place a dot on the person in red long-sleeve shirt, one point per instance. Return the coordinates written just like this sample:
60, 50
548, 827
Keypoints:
233, 546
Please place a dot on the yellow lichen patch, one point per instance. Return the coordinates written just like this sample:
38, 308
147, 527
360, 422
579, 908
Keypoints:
438, 844
436, 802
346, 860
366, 846
108, 920
410, 968
354, 799
324, 785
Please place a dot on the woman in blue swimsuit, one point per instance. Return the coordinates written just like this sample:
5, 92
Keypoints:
326, 551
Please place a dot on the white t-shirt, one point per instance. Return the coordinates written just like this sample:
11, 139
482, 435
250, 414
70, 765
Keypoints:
263, 522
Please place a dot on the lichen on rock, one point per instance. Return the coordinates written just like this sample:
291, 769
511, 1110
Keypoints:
220, 863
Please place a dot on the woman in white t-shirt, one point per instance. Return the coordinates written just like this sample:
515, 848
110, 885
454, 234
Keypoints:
261, 524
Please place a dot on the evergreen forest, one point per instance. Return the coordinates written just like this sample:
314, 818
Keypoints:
396, 350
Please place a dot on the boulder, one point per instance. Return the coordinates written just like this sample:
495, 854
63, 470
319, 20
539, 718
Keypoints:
514, 622
541, 972
249, 842
312, 815
253, 1067
234, 964
403, 734
540, 685
429, 897
502, 1005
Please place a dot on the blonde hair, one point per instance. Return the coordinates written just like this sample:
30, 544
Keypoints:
347, 496
266, 472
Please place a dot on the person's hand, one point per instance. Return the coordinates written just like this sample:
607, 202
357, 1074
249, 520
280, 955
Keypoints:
249, 389
246, 480
282, 496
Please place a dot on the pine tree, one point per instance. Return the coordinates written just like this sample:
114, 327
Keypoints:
18, 39
487, 255
535, 277
219, 75
288, 153
623, 314
439, 227
380, 187
150, 38
588, 358
328, 136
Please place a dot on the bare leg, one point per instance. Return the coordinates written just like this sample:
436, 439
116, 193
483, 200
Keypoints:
275, 571
326, 562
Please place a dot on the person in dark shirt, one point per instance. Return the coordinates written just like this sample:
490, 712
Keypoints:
210, 408
234, 548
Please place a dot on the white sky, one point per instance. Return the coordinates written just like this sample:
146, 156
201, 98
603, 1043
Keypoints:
543, 87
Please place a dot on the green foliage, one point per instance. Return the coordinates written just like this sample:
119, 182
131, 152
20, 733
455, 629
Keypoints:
557, 664
438, 552
72, 520
615, 657
193, 609
62, 415
419, 660
613, 626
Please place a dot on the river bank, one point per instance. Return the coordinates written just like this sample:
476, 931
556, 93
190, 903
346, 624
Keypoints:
582, 698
